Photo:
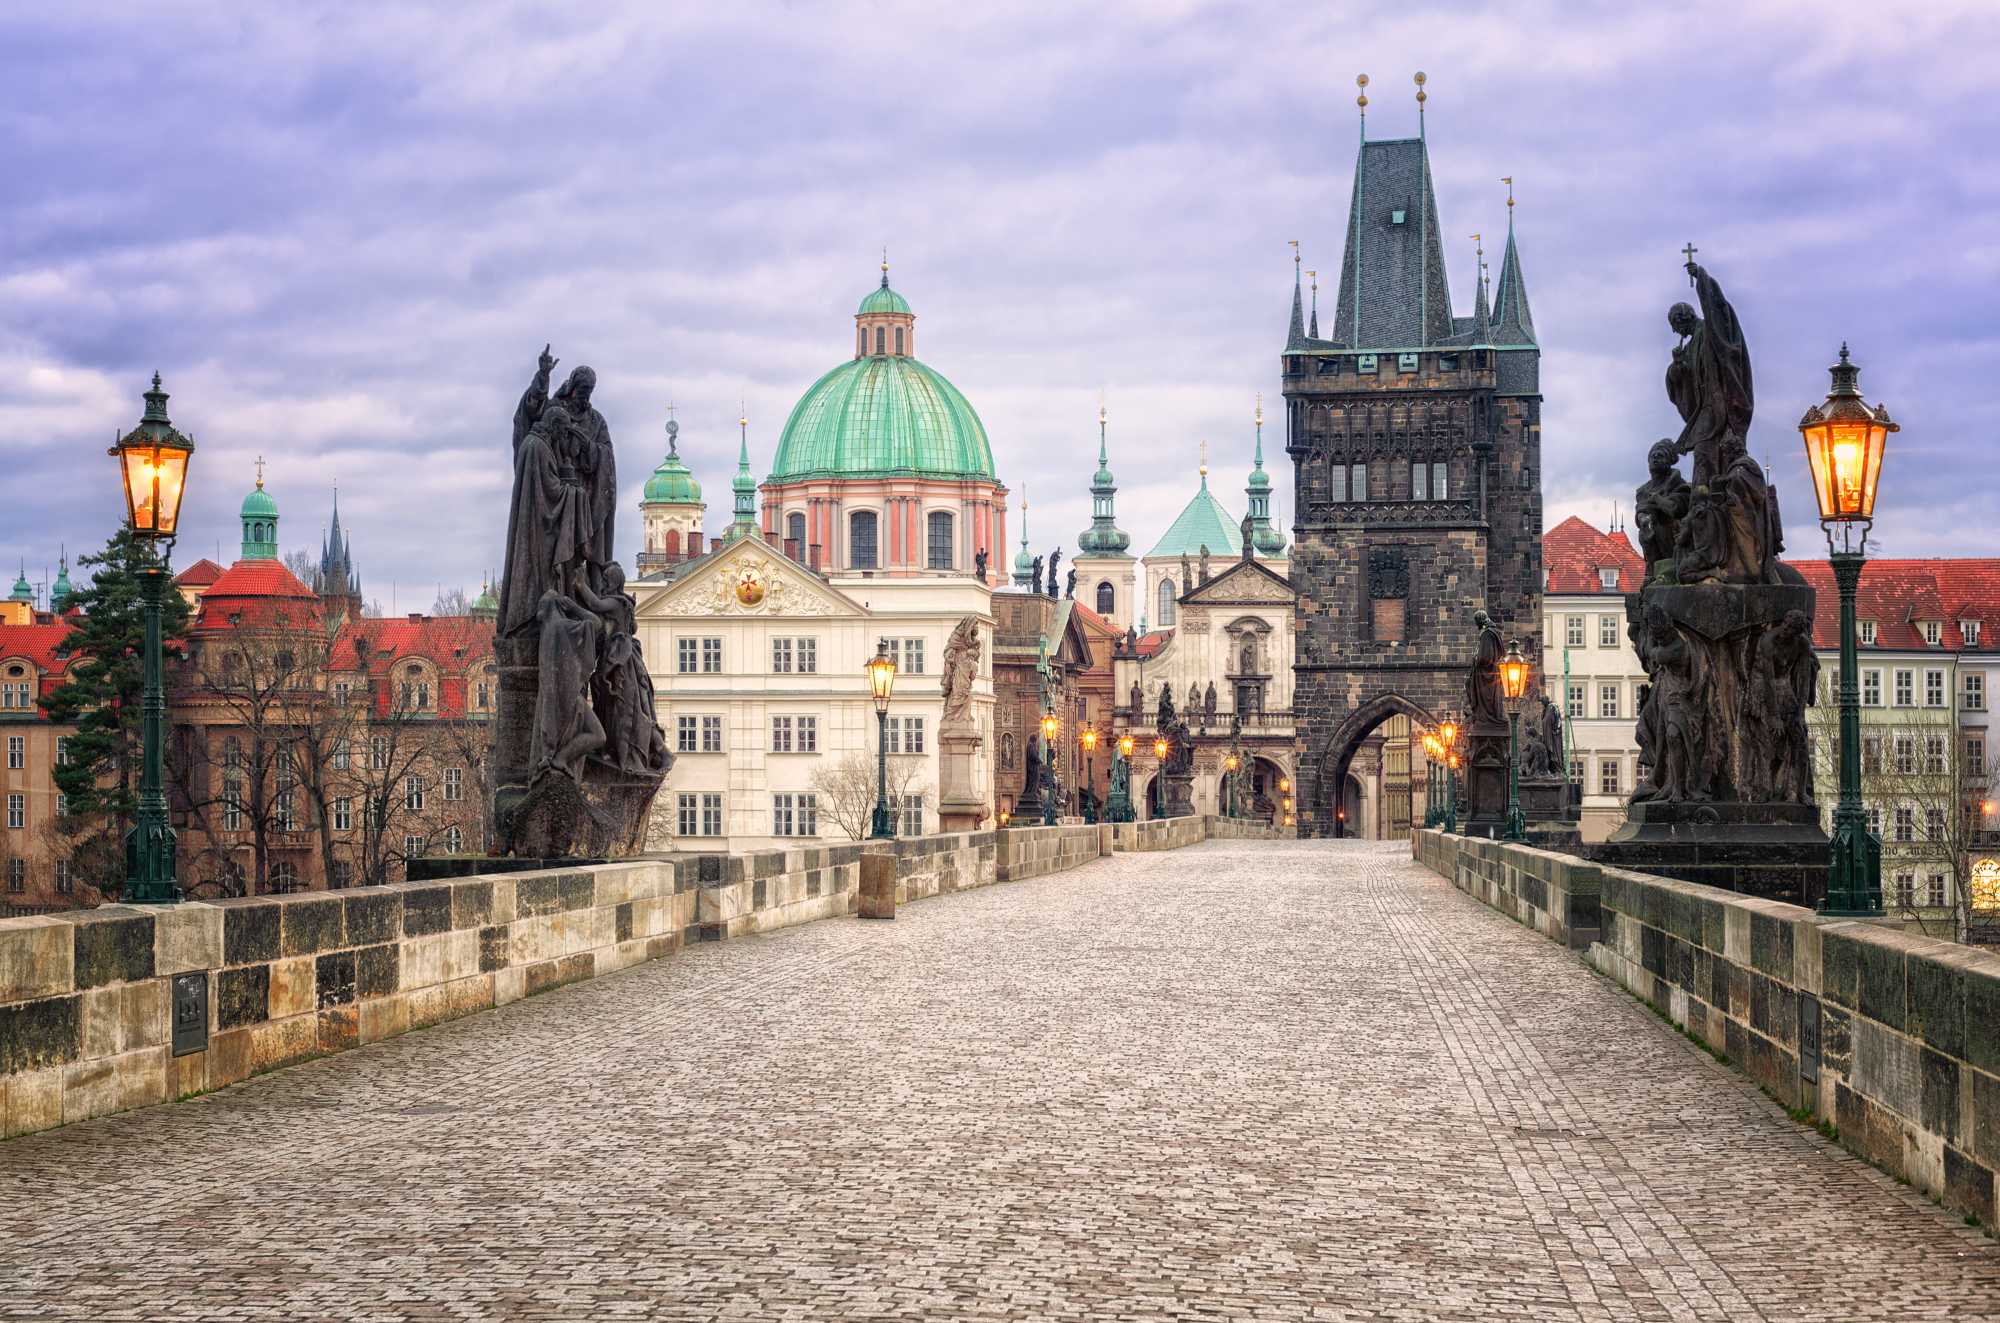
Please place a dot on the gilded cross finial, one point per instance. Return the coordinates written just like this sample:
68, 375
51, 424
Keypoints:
1508, 180
1204, 459
1315, 280
1260, 408
260, 473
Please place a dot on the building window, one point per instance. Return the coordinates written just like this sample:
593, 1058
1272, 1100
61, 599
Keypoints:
232, 804
861, 540
1607, 578
1906, 688
711, 656
1607, 701
1107, 599
1906, 825
1420, 482
1607, 631
284, 878
1934, 824
685, 729
878, 340
454, 784
341, 877
795, 531
909, 810
17, 875
17, 752
282, 805
1337, 482
1357, 482
1975, 692
1610, 776
454, 840
1164, 617
17, 812
940, 536
906, 734
807, 653
899, 339
339, 757
1440, 482
1365, 363
1868, 633
807, 730
781, 656
1871, 688
795, 815
378, 753
1871, 754
413, 846
700, 815
1933, 755
1933, 632
343, 814
685, 653
711, 734
1933, 688
1875, 819
1906, 890
781, 735
413, 793
1975, 756
1573, 632
908, 654
64, 883
1576, 769
62, 751
1906, 756
1969, 631
1574, 706
1935, 898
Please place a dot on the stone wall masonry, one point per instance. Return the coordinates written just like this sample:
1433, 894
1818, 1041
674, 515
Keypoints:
1160, 833
1894, 1039
1555, 894
1026, 852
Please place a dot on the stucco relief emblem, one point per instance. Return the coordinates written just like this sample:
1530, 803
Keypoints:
750, 585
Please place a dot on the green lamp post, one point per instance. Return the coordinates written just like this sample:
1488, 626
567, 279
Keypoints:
152, 469
1433, 759
881, 670
1844, 441
1119, 807
1448, 738
1514, 670
1051, 727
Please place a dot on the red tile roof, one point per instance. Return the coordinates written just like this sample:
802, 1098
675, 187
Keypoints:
1148, 644
37, 645
255, 578
1573, 553
453, 644
1898, 595
199, 574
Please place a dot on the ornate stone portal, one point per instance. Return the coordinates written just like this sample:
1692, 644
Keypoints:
1724, 631
578, 750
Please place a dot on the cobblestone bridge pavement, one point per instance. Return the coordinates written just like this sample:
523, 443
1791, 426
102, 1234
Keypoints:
1243, 1080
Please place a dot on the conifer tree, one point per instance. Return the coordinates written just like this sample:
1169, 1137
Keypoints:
106, 681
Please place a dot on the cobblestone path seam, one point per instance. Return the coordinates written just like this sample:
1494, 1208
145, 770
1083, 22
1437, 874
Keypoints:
1246, 1080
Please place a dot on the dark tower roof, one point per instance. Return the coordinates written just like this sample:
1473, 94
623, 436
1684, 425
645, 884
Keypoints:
1393, 293
1298, 332
1513, 324
337, 575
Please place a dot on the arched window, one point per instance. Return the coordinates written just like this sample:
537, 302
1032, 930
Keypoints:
1166, 611
899, 339
860, 339
940, 530
673, 542
878, 340
795, 531
284, 878
861, 540
1107, 599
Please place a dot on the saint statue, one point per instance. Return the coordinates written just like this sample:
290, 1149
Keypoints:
1709, 377
1659, 506
961, 669
590, 452
1482, 683
547, 519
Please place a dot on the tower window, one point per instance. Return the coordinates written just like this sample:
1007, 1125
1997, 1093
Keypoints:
899, 339
878, 340
861, 533
795, 530
1357, 483
1107, 599
861, 340
939, 522
1166, 611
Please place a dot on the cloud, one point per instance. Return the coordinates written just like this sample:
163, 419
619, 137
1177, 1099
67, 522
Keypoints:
342, 234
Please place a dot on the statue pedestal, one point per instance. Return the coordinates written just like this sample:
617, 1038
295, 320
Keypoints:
1548, 799
1775, 851
961, 804
1484, 812
1177, 797
556, 818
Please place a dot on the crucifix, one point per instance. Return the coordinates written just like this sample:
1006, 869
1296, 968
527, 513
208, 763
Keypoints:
260, 472
1689, 252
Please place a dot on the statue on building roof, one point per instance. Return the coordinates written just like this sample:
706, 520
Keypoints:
1055, 559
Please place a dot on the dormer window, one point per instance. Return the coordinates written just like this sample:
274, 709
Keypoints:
1969, 631
1365, 363
1868, 633
1933, 631
1607, 576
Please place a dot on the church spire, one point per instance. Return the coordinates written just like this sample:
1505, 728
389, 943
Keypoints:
1103, 537
1298, 331
1314, 331
1024, 564
744, 485
1481, 324
1513, 324
1268, 540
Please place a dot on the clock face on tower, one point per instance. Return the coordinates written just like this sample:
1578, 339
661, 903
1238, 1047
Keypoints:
749, 586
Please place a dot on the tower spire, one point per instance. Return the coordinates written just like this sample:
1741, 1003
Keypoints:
1314, 332
743, 485
1265, 539
1298, 331
1513, 323
1103, 537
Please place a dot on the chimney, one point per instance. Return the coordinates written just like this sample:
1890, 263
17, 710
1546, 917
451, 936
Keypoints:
793, 550
815, 557
694, 546
416, 617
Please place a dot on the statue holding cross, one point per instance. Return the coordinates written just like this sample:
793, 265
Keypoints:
1709, 377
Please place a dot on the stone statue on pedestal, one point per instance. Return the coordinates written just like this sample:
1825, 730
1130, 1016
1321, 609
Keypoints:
961, 800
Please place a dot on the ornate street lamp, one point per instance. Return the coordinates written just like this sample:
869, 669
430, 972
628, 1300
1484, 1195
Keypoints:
152, 470
1051, 727
1088, 739
1433, 758
1448, 739
1230, 764
1514, 670
1844, 441
881, 670
1119, 807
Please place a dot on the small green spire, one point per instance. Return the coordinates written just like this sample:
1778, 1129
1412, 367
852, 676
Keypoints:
260, 521
744, 485
1267, 540
1024, 564
23, 590
1103, 537
60, 594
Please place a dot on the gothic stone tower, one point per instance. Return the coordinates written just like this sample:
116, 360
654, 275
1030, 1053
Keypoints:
1415, 438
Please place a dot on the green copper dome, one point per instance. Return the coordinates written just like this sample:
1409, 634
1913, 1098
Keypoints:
1202, 523
882, 299
259, 505
671, 482
23, 590
882, 415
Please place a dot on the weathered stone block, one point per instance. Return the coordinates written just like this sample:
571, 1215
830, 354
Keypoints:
249, 930
1887, 1069
442, 958
1771, 946
37, 958
373, 916
383, 1017
229, 1057
1984, 1136
35, 1034
1936, 1010
291, 986
1882, 982
186, 937
333, 981
242, 996
1982, 1020
1938, 1110
426, 910
90, 1088
554, 973
1968, 1186
281, 1042
448, 1001
551, 893
494, 946
32, 1101
113, 945
312, 924
339, 1028
186, 1076
472, 903
375, 970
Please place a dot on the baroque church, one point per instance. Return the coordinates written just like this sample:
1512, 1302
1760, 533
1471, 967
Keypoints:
1415, 437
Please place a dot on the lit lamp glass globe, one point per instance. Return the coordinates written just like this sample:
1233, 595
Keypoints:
1845, 441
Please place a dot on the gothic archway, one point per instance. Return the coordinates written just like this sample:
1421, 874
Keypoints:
1332, 765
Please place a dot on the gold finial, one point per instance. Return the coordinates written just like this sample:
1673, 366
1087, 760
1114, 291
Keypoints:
1295, 250
885, 259
1508, 180
1362, 82
260, 473
1204, 459
1479, 248
1260, 408
1421, 98
1315, 280
1100, 409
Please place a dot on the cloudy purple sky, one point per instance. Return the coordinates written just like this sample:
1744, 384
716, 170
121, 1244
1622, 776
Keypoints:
343, 233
